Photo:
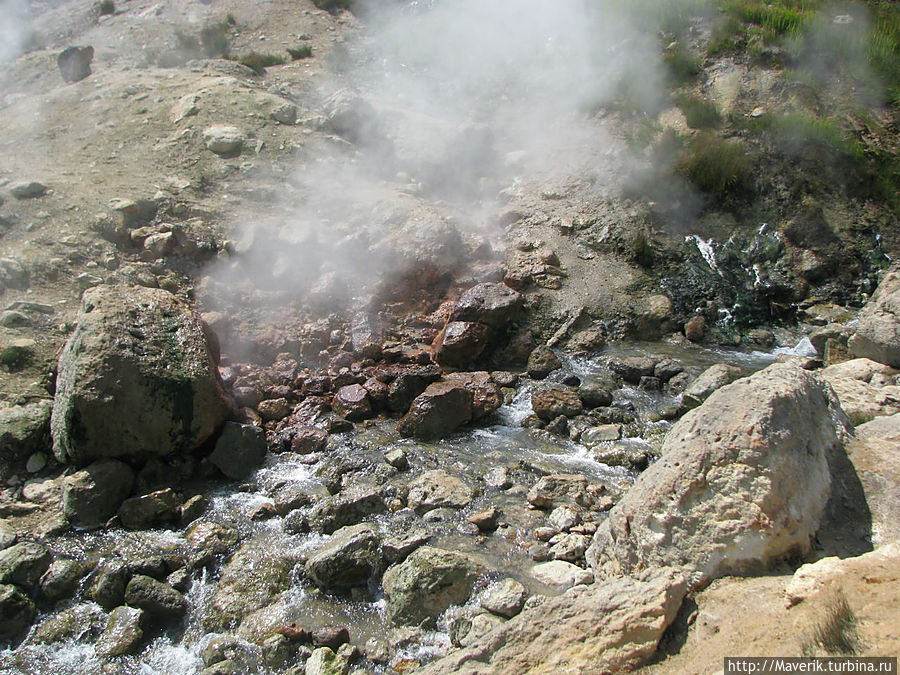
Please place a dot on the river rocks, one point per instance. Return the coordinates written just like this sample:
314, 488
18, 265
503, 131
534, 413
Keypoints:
438, 489
24, 430
239, 450
559, 488
541, 362
865, 389
123, 634
155, 597
408, 384
347, 508
61, 579
633, 368
93, 495
224, 140
593, 395
74, 63
486, 396
712, 378
609, 627
325, 662
154, 509
352, 402
348, 559
460, 343
877, 336
437, 411
505, 598
138, 356
24, 564
427, 583
307, 440
16, 611
548, 404
493, 304
725, 498
253, 578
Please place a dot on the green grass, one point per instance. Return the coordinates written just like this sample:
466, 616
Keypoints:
807, 129
699, 112
106, 7
728, 35
682, 66
837, 632
300, 52
717, 167
883, 52
259, 62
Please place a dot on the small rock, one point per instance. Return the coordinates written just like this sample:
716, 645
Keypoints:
632, 368
325, 662
396, 457
561, 575
498, 477
16, 612
75, 63
285, 113
36, 462
695, 328
24, 564
239, 450
548, 404
93, 495
352, 402
563, 518
151, 510
714, 377
308, 440
274, 410
485, 521
123, 634
155, 597
505, 598
601, 434
61, 579
193, 508
348, 559
27, 190
331, 636
438, 489
542, 362
224, 140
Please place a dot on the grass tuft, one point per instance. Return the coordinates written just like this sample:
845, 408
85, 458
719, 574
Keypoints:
259, 62
106, 7
837, 632
718, 167
301, 52
699, 112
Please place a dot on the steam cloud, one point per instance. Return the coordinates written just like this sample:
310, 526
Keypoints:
12, 29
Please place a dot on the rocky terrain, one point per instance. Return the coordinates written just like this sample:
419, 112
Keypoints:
374, 337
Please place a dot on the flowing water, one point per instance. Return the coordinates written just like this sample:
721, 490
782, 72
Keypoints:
470, 454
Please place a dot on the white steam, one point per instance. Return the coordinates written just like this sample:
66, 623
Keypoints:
13, 29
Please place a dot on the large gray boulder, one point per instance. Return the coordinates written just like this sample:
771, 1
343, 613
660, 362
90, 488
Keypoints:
611, 627
137, 378
742, 483
878, 333
428, 582
348, 559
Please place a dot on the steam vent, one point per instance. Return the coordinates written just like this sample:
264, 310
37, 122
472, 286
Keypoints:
454, 337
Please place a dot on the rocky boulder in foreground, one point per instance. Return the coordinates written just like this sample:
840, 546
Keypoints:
742, 483
605, 628
137, 378
878, 333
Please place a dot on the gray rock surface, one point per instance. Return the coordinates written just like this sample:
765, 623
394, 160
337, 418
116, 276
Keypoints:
16, 611
239, 449
437, 411
138, 357
348, 559
124, 632
438, 489
154, 509
24, 564
725, 498
610, 627
877, 336
714, 377
427, 583
155, 597
24, 429
93, 495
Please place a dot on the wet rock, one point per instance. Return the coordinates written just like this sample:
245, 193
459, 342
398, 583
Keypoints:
739, 453
627, 619
352, 402
504, 598
325, 662
348, 559
124, 632
592, 395
239, 450
208, 540
559, 488
108, 587
332, 637
224, 140
710, 380
348, 508
830, 343
252, 579
27, 190
437, 411
307, 440
438, 489
93, 495
634, 458
666, 369
498, 477
460, 343
193, 508
485, 393
24, 430
548, 404
485, 521
632, 368
274, 409
294, 495
135, 349
72, 623
562, 518
155, 509
397, 458
877, 335
397, 548
470, 626
695, 328
16, 612
569, 547
409, 384
24, 564
74, 63
657, 319
61, 579
155, 597
561, 575
427, 583
541, 362
601, 434
493, 304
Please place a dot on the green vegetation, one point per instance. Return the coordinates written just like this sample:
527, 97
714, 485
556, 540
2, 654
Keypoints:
301, 52
683, 67
699, 112
728, 34
106, 7
884, 49
258, 62
641, 250
718, 167
796, 129
781, 18
837, 633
